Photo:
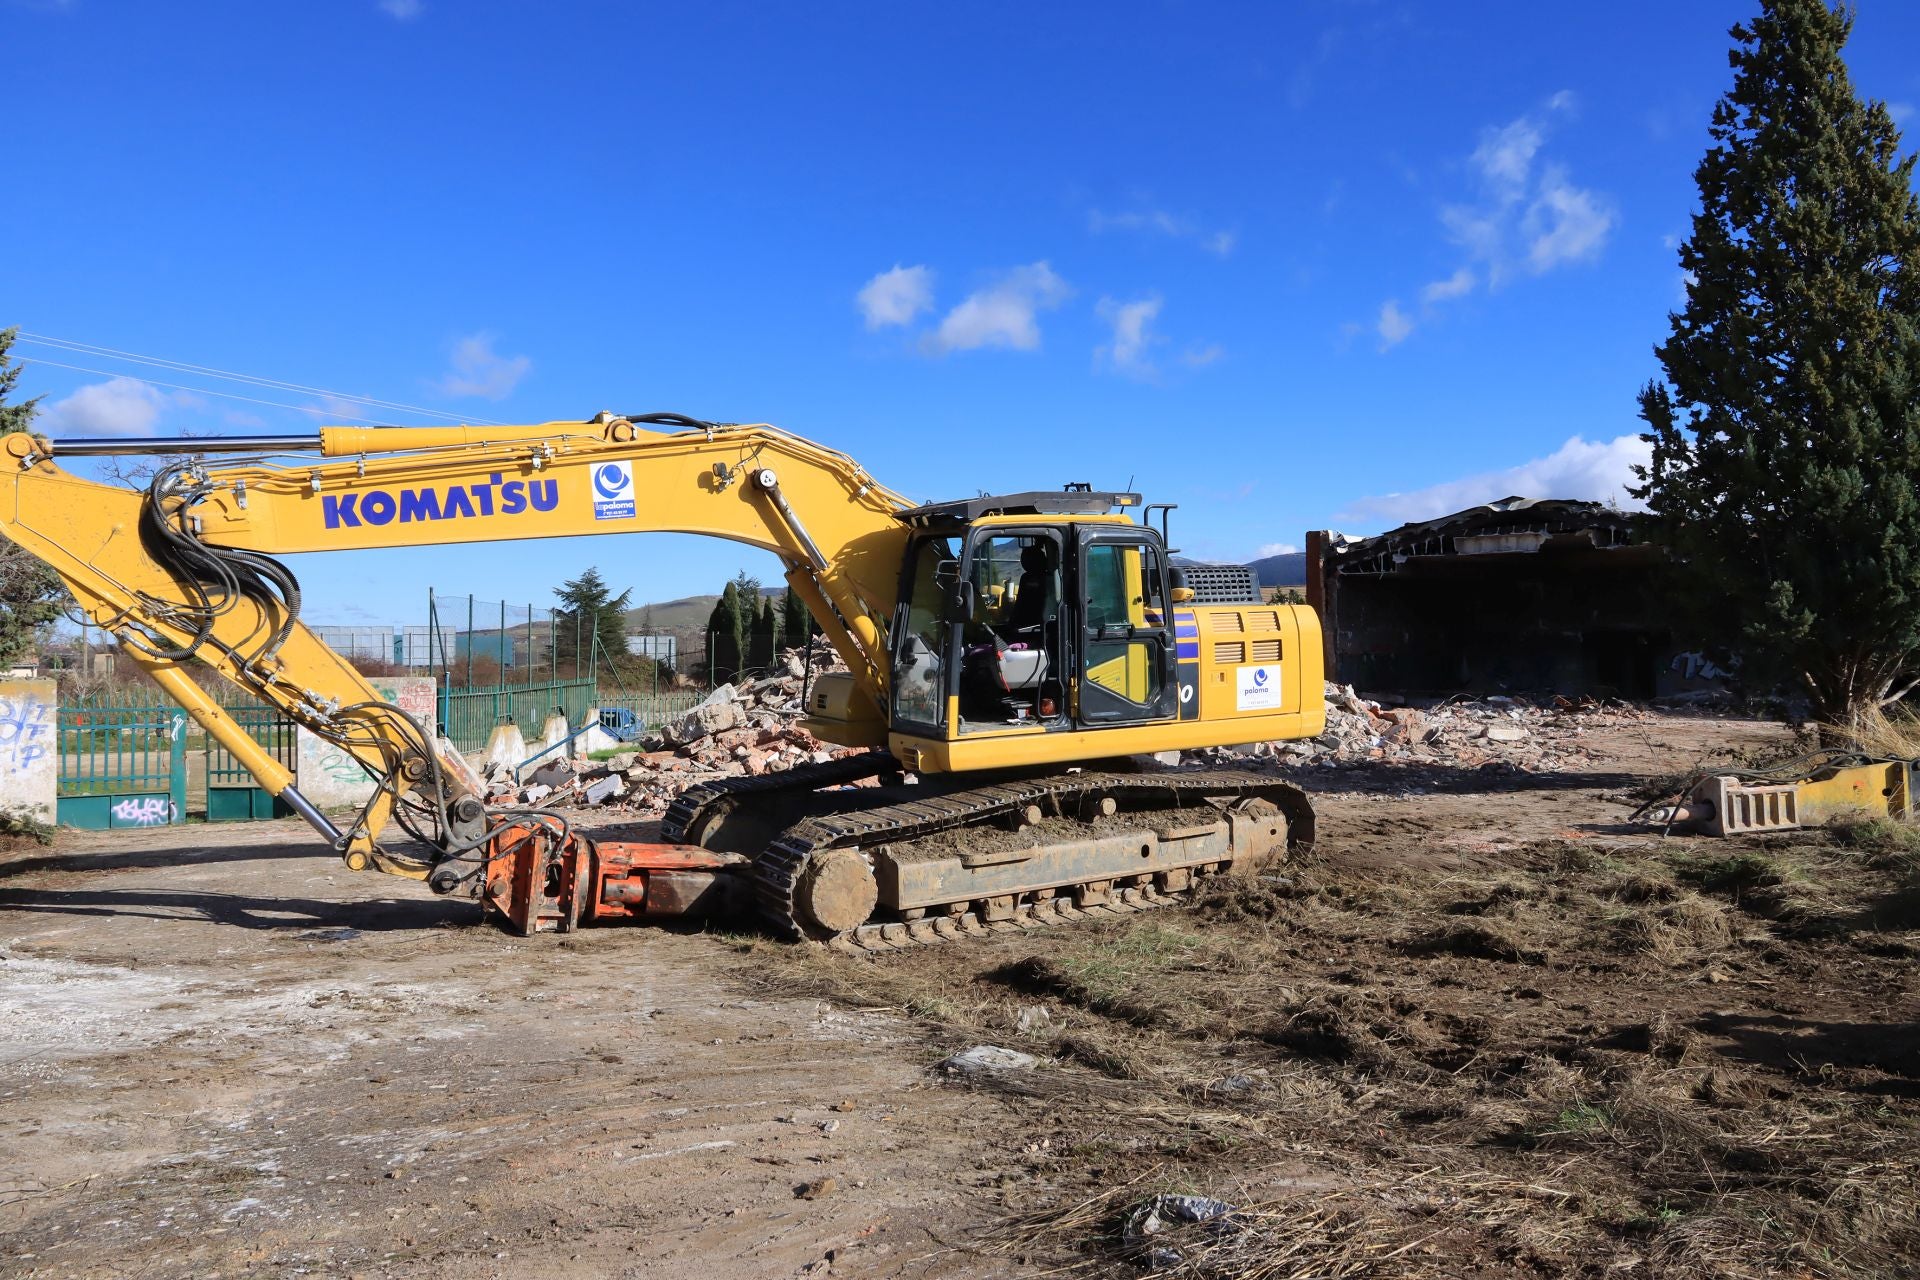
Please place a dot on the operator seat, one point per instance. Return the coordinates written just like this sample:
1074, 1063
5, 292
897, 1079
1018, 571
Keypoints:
1036, 585
1003, 679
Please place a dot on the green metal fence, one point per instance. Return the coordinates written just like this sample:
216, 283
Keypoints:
654, 709
233, 795
122, 764
468, 716
126, 758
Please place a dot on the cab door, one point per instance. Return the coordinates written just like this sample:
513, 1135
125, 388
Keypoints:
1125, 669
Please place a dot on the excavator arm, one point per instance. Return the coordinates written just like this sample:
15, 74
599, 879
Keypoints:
185, 574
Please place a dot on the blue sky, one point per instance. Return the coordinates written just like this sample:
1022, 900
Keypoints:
1290, 265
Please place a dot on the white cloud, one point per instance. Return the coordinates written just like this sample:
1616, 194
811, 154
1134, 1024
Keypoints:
118, 407
1564, 224
1160, 222
1200, 356
1457, 285
1528, 217
402, 10
1004, 314
1506, 153
1394, 324
1133, 335
1276, 549
895, 297
1599, 471
1900, 111
480, 371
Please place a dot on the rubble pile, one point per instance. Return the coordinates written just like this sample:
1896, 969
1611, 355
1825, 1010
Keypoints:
1465, 733
743, 729
750, 728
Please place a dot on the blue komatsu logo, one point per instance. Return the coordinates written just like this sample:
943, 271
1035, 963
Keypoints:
458, 502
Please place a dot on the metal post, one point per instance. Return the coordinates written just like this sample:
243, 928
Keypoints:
806, 675
469, 642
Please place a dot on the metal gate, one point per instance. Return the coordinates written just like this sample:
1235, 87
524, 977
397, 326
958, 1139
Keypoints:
232, 793
122, 766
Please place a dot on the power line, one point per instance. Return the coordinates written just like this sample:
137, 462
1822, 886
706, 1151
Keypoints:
206, 391
277, 384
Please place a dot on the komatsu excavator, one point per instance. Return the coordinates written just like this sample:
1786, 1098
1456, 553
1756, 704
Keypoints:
1010, 660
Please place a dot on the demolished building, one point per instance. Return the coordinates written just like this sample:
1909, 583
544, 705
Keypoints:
1520, 595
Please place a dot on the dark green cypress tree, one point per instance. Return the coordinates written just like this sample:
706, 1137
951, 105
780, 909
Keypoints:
794, 620
724, 644
760, 657
1786, 432
30, 592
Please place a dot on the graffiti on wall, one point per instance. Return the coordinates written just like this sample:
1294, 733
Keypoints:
340, 765
143, 811
26, 725
414, 695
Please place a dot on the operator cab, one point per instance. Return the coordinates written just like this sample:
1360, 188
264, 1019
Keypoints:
1031, 613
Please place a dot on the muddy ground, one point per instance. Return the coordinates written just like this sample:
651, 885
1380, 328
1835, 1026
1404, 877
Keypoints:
1484, 1029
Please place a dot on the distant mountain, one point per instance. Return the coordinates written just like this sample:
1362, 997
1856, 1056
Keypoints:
689, 613
1289, 570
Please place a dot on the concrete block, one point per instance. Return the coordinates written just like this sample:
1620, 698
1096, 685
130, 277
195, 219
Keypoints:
507, 746
555, 731
594, 738
552, 773
29, 748
605, 789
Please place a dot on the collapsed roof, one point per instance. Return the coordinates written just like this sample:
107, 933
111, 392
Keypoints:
1507, 527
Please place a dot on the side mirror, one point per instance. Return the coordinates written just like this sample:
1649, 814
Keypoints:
960, 602
1177, 584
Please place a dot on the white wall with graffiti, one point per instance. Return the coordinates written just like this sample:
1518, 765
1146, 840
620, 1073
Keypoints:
29, 748
329, 776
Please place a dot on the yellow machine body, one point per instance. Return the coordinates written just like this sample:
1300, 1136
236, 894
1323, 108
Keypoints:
1148, 672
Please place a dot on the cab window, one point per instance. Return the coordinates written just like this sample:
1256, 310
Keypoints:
1125, 610
919, 690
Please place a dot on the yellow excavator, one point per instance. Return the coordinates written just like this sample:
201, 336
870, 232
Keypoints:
1010, 662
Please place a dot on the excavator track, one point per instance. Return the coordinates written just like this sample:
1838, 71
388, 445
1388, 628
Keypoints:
695, 809
1144, 798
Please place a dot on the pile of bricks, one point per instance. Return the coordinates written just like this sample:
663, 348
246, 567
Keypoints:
743, 729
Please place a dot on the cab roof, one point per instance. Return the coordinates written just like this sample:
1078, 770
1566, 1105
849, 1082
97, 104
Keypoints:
1040, 502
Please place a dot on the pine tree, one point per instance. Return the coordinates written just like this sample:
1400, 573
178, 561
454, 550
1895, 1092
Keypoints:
794, 620
760, 655
591, 611
30, 592
1786, 433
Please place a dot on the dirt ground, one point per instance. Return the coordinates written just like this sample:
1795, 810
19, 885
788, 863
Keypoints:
1484, 1029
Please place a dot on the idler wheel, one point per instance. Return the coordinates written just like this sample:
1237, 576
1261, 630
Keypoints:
837, 891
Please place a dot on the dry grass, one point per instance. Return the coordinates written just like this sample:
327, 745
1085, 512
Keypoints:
1576, 1067
1887, 735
